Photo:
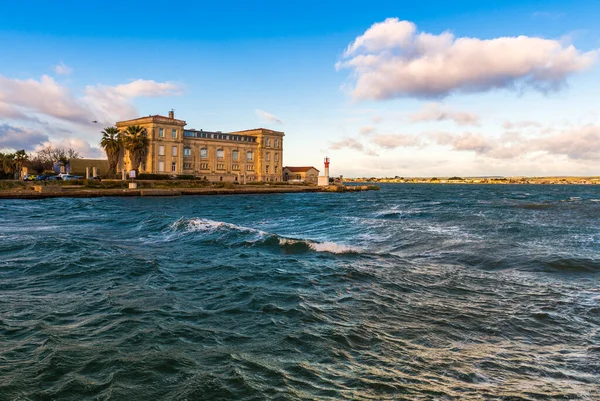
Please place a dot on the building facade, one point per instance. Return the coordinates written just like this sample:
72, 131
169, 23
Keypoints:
300, 174
241, 156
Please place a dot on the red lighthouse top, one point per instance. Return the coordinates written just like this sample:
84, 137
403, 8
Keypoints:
326, 162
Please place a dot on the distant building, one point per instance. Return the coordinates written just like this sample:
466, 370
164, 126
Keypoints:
300, 174
240, 156
78, 166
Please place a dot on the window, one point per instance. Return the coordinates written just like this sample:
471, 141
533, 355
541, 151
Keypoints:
235, 167
268, 142
249, 167
161, 166
221, 166
187, 151
268, 156
187, 166
174, 133
248, 155
220, 153
204, 153
266, 169
276, 157
173, 166
275, 170
276, 143
161, 132
203, 166
174, 151
235, 155
161, 150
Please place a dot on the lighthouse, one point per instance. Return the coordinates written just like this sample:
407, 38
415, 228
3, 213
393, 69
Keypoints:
324, 179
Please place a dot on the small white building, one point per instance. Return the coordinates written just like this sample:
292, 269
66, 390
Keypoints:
300, 174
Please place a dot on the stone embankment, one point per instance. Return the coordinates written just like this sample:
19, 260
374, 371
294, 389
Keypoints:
42, 192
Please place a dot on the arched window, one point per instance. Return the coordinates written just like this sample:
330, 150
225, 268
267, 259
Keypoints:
235, 155
204, 153
249, 155
187, 151
268, 142
276, 143
220, 153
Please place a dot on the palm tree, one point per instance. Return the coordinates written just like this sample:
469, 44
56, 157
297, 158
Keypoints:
111, 143
135, 141
20, 158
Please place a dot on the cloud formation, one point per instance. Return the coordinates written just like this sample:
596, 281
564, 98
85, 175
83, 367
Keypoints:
437, 112
366, 130
392, 141
30, 98
391, 59
63, 69
267, 117
520, 124
580, 143
81, 146
16, 138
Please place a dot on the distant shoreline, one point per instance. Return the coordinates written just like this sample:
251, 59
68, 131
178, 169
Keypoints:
592, 180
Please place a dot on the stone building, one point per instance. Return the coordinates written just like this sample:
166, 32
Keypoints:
300, 174
240, 156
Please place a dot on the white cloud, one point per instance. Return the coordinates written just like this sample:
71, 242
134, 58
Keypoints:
145, 88
45, 96
351, 143
520, 124
69, 115
366, 130
392, 141
16, 138
81, 146
63, 69
267, 117
25, 99
391, 59
437, 112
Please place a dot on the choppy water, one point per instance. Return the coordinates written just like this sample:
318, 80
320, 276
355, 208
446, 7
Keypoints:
414, 292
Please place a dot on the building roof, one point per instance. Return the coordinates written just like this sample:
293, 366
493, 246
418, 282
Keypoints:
249, 131
300, 169
155, 118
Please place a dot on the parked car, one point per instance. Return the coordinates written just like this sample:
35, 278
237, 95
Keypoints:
29, 177
53, 178
68, 177
41, 177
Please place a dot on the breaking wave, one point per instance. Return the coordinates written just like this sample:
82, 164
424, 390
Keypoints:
236, 234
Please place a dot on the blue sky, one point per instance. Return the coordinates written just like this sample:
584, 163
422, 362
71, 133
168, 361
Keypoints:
441, 106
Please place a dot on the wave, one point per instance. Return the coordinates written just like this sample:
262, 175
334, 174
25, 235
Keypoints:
248, 236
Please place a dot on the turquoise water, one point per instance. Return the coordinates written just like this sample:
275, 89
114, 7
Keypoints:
413, 292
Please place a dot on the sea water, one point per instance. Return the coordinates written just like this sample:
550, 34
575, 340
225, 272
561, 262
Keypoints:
413, 292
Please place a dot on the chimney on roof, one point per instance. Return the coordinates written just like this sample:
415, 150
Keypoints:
172, 113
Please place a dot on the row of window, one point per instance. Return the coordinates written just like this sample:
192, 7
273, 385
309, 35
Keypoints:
161, 133
204, 166
218, 135
268, 143
213, 135
161, 167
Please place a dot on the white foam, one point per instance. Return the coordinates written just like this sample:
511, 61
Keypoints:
331, 247
207, 225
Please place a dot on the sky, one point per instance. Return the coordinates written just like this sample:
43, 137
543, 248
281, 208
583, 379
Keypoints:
384, 88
